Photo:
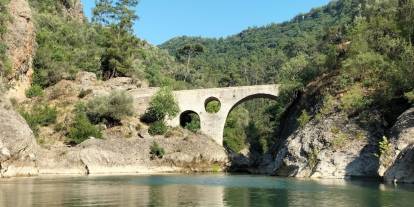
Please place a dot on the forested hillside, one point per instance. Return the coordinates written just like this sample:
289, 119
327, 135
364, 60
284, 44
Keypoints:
293, 52
365, 45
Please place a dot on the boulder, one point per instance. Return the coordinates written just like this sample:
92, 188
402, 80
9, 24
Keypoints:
330, 148
117, 155
85, 78
18, 147
399, 165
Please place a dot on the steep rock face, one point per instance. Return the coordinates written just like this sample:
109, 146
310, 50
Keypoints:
397, 165
332, 144
331, 148
18, 146
20, 41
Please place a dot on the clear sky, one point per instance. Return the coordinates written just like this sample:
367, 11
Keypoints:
161, 20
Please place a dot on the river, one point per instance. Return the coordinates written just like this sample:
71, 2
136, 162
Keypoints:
199, 190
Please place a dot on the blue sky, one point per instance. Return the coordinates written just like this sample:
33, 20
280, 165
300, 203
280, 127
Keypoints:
161, 20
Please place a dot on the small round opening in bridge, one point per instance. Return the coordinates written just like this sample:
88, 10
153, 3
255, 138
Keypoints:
190, 120
212, 105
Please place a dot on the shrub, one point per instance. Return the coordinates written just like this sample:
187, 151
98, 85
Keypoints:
303, 119
110, 108
385, 153
410, 96
84, 93
328, 105
215, 168
82, 129
156, 150
34, 91
213, 106
385, 147
157, 128
162, 104
354, 100
339, 140
194, 124
313, 158
42, 115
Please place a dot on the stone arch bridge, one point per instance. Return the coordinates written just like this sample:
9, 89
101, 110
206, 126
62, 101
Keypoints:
212, 124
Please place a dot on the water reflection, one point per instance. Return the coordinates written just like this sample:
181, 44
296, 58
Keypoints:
198, 190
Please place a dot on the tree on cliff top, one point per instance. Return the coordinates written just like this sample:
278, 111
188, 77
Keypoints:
118, 17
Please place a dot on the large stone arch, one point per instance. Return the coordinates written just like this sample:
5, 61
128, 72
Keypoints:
212, 124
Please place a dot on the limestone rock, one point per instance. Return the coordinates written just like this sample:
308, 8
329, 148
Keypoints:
60, 161
20, 42
400, 168
327, 149
18, 147
117, 155
85, 78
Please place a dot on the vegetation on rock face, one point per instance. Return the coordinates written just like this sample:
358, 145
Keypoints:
82, 129
385, 151
34, 91
39, 115
304, 118
156, 150
4, 19
354, 100
158, 128
410, 96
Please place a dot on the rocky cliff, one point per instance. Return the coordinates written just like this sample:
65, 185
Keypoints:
397, 160
20, 43
334, 144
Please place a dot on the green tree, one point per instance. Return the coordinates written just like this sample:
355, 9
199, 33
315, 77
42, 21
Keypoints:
187, 52
119, 16
406, 18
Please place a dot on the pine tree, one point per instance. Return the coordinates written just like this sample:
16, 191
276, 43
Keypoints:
118, 19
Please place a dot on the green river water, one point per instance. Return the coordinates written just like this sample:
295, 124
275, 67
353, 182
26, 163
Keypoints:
199, 190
